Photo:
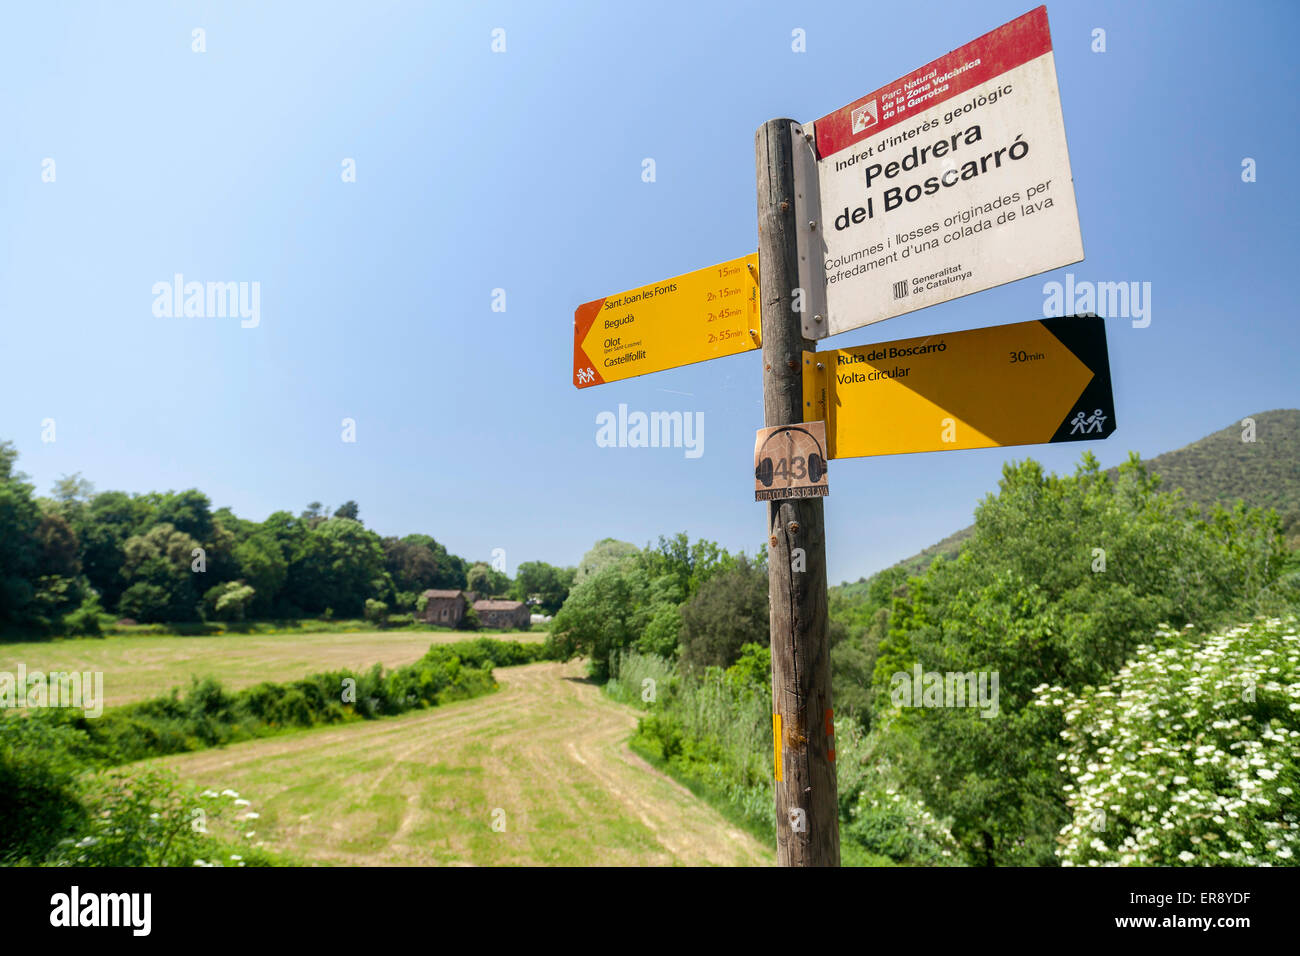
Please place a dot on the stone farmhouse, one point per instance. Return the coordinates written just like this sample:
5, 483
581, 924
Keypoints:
447, 608
503, 614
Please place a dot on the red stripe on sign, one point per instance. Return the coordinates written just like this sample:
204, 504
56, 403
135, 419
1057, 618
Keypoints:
1009, 46
584, 369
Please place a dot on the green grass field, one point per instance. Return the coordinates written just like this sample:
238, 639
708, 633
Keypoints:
140, 666
545, 758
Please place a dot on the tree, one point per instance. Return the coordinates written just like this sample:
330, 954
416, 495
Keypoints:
729, 611
545, 583
189, 512
603, 553
486, 581
338, 564
289, 536
230, 600
449, 570
73, 488
161, 541
19, 518
57, 546
158, 569
262, 564
79, 552
853, 662
413, 566
57, 585
313, 514
103, 527
146, 602
605, 612
690, 564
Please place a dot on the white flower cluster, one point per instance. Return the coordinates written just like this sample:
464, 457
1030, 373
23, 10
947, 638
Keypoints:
248, 817
921, 823
1191, 756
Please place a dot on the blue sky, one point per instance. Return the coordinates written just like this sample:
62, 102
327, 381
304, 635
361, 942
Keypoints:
522, 171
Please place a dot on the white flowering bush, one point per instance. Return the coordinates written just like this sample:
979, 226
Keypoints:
1190, 756
878, 817
147, 819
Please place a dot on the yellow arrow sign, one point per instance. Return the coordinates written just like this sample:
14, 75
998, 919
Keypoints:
701, 315
1022, 384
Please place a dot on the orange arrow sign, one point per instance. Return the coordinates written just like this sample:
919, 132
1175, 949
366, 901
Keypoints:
701, 315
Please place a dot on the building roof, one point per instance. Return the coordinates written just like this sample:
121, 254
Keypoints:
433, 593
487, 605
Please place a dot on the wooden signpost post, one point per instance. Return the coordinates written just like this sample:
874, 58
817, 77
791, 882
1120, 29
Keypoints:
807, 808
948, 181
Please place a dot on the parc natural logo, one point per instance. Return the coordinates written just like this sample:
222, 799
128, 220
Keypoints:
864, 117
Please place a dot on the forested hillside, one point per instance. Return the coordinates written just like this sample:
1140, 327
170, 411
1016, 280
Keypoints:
1260, 466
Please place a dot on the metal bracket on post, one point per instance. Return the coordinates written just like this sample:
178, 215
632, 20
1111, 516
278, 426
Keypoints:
808, 237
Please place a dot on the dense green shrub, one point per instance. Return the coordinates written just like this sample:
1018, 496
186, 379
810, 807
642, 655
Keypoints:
712, 730
84, 621
1190, 755
729, 611
146, 819
1061, 580
39, 793
376, 612
54, 813
878, 819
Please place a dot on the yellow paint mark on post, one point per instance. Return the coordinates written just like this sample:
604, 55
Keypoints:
776, 743
690, 318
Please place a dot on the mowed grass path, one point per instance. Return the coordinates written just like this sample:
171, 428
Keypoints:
140, 666
548, 749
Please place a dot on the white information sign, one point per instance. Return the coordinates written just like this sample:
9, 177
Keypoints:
951, 180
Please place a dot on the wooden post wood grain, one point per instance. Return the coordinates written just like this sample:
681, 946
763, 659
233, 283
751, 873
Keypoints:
807, 809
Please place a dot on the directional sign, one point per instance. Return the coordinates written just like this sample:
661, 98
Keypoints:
950, 180
1022, 384
697, 316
